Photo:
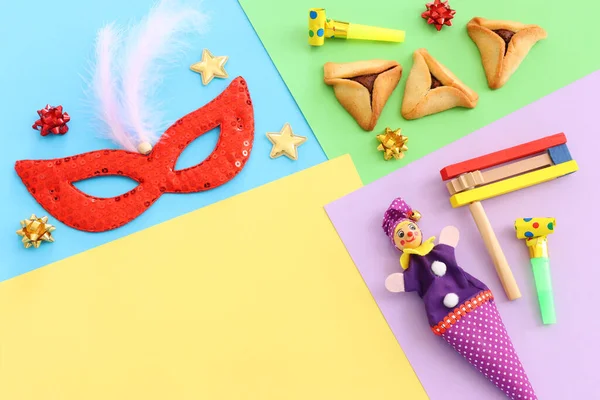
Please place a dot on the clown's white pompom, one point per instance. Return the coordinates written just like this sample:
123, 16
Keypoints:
451, 300
438, 268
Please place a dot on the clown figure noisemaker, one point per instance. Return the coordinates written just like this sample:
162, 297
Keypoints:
459, 307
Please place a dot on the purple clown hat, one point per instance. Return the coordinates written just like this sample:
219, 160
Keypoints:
397, 212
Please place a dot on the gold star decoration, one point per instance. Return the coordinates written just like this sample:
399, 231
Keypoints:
285, 143
392, 143
210, 67
35, 231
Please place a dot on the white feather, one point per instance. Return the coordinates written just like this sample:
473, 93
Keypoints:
149, 45
128, 68
105, 86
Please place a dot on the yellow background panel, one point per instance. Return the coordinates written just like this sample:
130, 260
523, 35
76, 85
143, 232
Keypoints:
254, 297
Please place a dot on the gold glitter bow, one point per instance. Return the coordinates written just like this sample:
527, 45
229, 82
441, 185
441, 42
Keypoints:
392, 143
35, 231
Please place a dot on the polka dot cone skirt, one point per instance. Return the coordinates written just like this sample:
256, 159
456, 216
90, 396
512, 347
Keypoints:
481, 338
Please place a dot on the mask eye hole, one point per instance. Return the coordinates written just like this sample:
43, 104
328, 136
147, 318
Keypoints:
106, 186
401, 234
198, 150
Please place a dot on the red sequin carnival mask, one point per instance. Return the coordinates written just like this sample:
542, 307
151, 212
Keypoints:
51, 181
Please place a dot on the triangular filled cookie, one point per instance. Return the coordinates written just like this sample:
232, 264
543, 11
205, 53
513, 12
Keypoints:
432, 88
363, 87
503, 46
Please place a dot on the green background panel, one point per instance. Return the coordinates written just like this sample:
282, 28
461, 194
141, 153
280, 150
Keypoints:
569, 53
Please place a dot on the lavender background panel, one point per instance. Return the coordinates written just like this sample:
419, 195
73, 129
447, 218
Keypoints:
559, 359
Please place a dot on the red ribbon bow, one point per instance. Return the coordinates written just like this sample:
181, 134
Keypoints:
439, 14
52, 120
51, 181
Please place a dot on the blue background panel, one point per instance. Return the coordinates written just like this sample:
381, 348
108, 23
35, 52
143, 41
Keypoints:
47, 51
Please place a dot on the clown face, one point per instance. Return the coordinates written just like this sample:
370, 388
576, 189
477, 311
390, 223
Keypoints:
407, 235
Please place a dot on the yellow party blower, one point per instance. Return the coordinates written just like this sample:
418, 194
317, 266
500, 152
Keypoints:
320, 28
535, 231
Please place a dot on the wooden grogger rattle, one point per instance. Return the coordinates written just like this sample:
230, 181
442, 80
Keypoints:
472, 181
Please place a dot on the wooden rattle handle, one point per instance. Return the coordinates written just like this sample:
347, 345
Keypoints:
493, 247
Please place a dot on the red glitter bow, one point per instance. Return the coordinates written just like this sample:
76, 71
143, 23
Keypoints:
438, 14
51, 181
52, 120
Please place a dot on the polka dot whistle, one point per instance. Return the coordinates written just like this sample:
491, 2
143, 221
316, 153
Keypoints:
320, 28
528, 228
316, 26
535, 231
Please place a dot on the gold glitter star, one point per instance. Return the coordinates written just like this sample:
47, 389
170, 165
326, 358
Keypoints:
35, 231
210, 67
393, 144
285, 143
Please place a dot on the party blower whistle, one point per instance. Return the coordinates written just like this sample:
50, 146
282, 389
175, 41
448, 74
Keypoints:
535, 231
320, 27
